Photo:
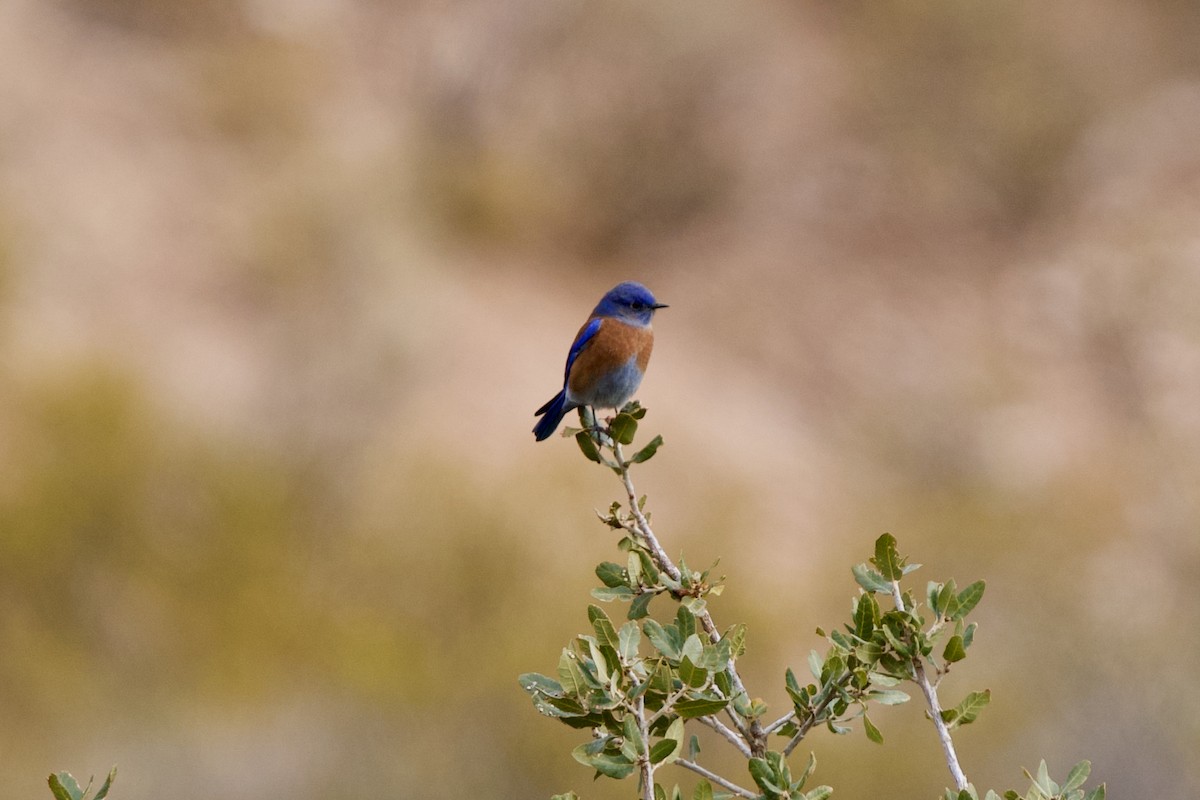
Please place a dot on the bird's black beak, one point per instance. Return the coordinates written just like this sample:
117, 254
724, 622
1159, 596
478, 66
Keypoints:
657, 306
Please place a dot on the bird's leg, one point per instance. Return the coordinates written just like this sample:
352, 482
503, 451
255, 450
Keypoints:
587, 416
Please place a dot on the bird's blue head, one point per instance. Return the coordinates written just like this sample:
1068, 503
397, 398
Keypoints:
630, 302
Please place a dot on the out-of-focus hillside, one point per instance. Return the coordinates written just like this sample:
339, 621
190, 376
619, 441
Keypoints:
281, 284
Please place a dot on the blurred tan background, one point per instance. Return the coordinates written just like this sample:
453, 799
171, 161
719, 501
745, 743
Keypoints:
282, 282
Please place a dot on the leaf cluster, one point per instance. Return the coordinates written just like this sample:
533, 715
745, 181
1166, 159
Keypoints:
64, 786
1041, 787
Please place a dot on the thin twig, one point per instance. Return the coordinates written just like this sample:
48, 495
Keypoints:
805, 725
751, 731
779, 723
730, 734
715, 778
935, 709
647, 768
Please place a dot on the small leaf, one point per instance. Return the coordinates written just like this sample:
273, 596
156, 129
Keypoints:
1096, 794
675, 734
808, 770
647, 452
611, 575
1043, 779
968, 598
607, 594
888, 697
611, 764
699, 707
640, 606
692, 675
815, 663
623, 428
966, 711
606, 634
662, 639
108, 782
870, 580
630, 638
661, 749
764, 775
567, 796
954, 650
1078, 776
886, 559
587, 446
703, 791
64, 786
693, 747
872, 732
819, 793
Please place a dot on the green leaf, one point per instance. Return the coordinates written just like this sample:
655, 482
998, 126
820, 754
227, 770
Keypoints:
640, 606
647, 452
630, 638
663, 639
662, 749
815, 663
587, 446
64, 786
607, 594
966, 711
764, 775
866, 614
685, 621
610, 574
695, 604
570, 675
690, 707
1077, 776
969, 634
808, 770
606, 634
888, 697
634, 744
692, 675
886, 559
872, 732
736, 636
534, 682
1096, 794
108, 782
954, 650
567, 796
623, 428
675, 734
870, 580
693, 648
968, 598
703, 791
614, 765
819, 793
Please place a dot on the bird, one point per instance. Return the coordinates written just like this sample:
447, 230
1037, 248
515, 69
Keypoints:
608, 357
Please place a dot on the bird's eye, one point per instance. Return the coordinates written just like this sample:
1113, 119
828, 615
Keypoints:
638, 306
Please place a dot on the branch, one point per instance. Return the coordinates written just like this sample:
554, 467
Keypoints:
730, 735
751, 731
935, 709
715, 778
644, 765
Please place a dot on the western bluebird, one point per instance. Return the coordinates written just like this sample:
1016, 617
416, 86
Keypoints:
608, 358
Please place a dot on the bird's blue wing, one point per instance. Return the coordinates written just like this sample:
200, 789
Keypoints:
581, 342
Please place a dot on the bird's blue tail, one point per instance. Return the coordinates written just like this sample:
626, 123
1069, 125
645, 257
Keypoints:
554, 410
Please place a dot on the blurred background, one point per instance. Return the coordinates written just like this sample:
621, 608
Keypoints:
282, 282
